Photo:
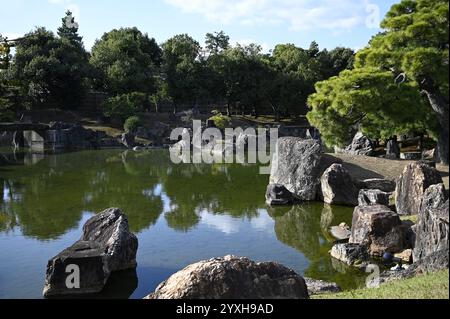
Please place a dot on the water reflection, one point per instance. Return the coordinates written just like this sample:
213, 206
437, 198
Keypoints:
47, 197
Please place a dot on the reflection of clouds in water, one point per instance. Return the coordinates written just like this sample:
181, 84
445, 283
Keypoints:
263, 222
223, 223
157, 191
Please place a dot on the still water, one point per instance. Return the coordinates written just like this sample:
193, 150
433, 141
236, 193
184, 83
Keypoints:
180, 213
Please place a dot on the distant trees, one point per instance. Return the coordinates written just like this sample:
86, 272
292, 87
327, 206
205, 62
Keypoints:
49, 69
137, 73
400, 81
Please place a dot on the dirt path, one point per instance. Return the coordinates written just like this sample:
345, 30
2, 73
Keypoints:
363, 167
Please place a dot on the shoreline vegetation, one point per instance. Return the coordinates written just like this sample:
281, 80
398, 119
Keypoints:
425, 286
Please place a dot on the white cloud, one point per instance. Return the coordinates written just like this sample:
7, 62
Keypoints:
244, 42
300, 15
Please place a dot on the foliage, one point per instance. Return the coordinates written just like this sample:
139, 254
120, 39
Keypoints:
132, 123
125, 105
51, 70
221, 121
412, 52
427, 286
126, 60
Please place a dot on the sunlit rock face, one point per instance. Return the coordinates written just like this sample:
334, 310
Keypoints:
233, 277
106, 246
296, 166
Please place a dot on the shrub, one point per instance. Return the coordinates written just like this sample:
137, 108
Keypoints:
132, 123
221, 121
125, 105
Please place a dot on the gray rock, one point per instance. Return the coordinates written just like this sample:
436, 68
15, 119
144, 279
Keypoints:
384, 185
432, 230
106, 246
320, 287
338, 187
128, 139
278, 195
351, 254
341, 232
411, 186
296, 166
369, 197
361, 145
378, 228
233, 277
393, 150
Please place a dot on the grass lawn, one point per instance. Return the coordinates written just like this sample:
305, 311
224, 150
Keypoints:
431, 286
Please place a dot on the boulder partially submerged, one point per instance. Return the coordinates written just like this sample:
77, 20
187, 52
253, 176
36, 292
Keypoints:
278, 195
296, 166
106, 246
338, 187
233, 277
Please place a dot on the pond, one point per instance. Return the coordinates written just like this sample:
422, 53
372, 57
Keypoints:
181, 214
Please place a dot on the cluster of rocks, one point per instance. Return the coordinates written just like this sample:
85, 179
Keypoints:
298, 174
106, 246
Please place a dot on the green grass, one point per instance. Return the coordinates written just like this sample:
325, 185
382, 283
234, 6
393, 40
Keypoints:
430, 286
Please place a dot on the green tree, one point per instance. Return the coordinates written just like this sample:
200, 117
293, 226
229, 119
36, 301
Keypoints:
401, 77
217, 42
50, 71
181, 67
126, 60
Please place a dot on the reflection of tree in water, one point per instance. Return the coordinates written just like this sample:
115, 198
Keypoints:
300, 227
218, 189
53, 194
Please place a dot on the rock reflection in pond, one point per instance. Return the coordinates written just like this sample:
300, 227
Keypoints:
301, 227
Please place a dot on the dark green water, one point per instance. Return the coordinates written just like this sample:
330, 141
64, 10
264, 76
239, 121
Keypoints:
180, 213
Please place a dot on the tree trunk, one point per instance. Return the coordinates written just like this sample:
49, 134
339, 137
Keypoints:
439, 103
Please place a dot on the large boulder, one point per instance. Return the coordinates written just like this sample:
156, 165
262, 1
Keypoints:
296, 166
361, 145
106, 246
338, 187
432, 230
411, 187
278, 195
233, 277
378, 228
369, 197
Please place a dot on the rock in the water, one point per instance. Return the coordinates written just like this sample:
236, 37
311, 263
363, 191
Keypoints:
341, 232
384, 185
369, 197
411, 187
128, 139
320, 287
106, 246
338, 187
392, 150
378, 228
278, 195
432, 230
296, 166
233, 277
361, 145
351, 254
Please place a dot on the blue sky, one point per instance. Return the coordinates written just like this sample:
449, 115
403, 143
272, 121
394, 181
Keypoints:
331, 23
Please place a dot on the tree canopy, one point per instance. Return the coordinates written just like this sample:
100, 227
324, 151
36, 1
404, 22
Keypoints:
400, 80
